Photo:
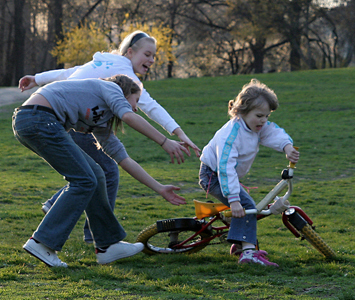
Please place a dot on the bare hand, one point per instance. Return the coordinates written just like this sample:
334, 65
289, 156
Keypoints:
291, 153
186, 141
169, 195
176, 149
237, 210
27, 82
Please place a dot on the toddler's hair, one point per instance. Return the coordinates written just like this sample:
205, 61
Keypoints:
128, 87
134, 41
252, 96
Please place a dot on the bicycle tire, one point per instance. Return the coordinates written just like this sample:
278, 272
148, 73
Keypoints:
316, 241
156, 241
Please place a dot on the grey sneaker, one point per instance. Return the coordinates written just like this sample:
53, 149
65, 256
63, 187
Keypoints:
43, 253
46, 207
117, 251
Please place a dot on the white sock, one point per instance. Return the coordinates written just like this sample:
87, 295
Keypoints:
248, 246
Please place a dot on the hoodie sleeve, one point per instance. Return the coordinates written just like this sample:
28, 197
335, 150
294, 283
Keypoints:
54, 75
274, 137
156, 112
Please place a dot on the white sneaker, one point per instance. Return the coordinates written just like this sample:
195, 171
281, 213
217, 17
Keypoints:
43, 253
117, 251
46, 207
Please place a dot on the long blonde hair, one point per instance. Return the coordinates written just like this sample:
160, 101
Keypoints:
252, 96
128, 87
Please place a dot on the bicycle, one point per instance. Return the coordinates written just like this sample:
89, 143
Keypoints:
190, 235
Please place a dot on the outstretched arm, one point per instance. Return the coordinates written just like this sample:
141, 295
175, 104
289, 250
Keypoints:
141, 125
137, 172
27, 82
187, 142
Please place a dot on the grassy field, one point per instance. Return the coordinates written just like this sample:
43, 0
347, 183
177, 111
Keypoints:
316, 109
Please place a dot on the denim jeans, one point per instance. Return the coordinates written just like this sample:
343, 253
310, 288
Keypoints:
41, 132
87, 143
241, 229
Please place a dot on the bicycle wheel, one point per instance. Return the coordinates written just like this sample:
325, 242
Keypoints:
316, 241
160, 237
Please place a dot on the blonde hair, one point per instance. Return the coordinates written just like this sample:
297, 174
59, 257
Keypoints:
252, 95
128, 87
130, 42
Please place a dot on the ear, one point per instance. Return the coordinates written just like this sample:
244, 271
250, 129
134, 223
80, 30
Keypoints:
129, 53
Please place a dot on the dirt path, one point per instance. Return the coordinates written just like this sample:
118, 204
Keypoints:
9, 95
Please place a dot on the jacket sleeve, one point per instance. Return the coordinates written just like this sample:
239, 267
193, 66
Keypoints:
54, 75
274, 137
227, 157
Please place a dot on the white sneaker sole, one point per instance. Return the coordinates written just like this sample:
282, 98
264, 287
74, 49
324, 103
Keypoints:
33, 251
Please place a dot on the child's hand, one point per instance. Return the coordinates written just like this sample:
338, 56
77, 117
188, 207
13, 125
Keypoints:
237, 210
169, 195
291, 153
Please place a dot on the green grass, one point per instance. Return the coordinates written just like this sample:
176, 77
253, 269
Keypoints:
316, 109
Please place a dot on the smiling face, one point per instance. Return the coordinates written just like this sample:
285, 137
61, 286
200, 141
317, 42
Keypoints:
257, 117
133, 100
143, 57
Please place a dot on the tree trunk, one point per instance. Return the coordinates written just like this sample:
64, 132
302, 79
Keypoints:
18, 57
295, 57
57, 12
258, 53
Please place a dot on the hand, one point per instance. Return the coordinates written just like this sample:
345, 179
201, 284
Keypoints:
168, 193
176, 149
291, 153
237, 210
27, 82
186, 141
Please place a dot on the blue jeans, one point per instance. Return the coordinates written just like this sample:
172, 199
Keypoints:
241, 229
42, 133
87, 143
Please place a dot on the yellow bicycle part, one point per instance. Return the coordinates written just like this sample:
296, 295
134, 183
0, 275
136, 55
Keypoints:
204, 209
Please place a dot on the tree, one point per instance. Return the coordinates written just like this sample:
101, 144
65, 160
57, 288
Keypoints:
79, 45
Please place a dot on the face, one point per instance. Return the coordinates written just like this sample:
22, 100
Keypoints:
256, 118
143, 58
133, 100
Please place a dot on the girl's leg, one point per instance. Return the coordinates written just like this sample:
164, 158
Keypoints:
87, 143
241, 229
43, 134
244, 229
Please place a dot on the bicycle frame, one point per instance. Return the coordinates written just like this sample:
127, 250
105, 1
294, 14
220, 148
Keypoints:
214, 210
190, 235
221, 230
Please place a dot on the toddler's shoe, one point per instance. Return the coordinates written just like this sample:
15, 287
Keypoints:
236, 249
117, 251
43, 253
255, 256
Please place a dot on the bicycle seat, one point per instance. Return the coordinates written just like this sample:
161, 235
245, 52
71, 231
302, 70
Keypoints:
204, 209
